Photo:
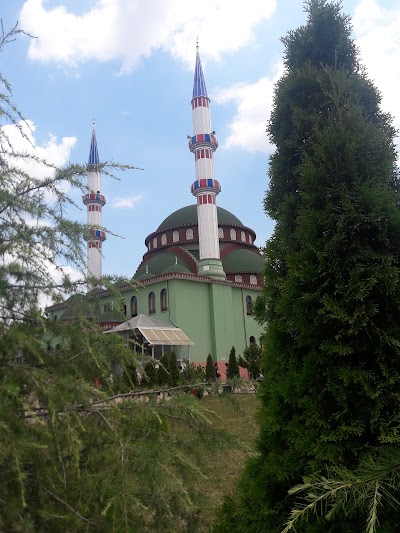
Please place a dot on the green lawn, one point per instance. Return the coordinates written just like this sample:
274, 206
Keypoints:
222, 467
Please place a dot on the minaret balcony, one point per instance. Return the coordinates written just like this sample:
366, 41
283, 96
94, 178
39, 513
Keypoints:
203, 140
94, 198
204, 185
96, 235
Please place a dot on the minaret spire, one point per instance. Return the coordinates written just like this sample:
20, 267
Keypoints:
94, 201
206, 188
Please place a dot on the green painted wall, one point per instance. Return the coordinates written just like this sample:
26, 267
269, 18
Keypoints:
221, 306
212, 315
190, 309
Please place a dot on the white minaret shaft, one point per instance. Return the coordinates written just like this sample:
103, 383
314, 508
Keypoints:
95, 202
206, 188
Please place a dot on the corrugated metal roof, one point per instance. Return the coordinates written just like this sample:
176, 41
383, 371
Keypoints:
154, 331
168, 337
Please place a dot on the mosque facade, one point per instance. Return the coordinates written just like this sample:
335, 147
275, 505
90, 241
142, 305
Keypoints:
201, 271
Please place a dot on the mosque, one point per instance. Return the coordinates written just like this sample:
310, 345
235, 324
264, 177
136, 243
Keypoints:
194, 290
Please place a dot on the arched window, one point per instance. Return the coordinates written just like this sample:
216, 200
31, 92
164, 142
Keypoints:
122, 307
55, 318
249, 305
155, 242
175, 236
152, 303
250, 239
220, 233
253, 280
164, 300
233, 235
243, 236
163, 239
189, 234
109, 306
252, 340
238, 279
133, 306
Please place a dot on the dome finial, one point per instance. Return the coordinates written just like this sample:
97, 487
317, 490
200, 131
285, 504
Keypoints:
197, 43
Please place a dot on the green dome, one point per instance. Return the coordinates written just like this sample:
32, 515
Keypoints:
243, 260
158, 264
188, 216
143, 277
176, 268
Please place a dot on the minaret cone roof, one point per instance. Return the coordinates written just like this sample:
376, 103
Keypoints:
93, 154
199, 85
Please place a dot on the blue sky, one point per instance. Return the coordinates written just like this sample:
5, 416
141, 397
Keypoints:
129, 64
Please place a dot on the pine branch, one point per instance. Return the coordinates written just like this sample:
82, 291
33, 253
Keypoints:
67, 505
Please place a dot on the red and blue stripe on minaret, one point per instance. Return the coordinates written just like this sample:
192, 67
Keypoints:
203, 144
94, 201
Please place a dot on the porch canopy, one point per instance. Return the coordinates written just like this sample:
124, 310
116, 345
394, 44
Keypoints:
155, 332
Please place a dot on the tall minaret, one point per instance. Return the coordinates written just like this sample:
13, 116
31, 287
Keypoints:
206, 188
94, 202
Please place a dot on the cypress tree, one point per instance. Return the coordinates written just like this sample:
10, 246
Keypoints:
332, 298
210, 369
173, 370
164, 376
251, 360
150, 377
233, 366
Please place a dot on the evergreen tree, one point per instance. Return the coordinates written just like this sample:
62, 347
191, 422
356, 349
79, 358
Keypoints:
332, 294
232, 370
369, 489
173, 370
164, 371
150, 378
210, 369
251, 360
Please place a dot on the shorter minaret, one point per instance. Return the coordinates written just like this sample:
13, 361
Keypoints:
94, 202
206, 188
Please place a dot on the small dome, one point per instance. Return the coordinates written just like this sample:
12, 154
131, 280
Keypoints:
176, 268
188, 215
243, 260
143, 277
158, 264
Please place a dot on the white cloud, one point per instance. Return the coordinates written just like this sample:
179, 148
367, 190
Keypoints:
254, 104
57, 275
378, 36
127, 202
21, 138
56, 153
127, 31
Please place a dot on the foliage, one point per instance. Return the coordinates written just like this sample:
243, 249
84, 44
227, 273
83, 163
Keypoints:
150, 378
374, 486
210, 369
331, 303
251, 360
173, 370
191, 373
163, 371
232, 370
75, 454
168, 370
